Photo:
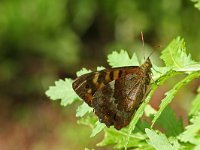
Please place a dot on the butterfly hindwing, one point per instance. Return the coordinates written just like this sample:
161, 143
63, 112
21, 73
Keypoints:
105, 107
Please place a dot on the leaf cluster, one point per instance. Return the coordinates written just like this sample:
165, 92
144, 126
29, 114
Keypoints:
161, 129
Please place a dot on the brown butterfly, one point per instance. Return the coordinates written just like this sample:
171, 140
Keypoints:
115, 94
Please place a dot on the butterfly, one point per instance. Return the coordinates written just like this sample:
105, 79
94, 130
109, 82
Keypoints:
115, 94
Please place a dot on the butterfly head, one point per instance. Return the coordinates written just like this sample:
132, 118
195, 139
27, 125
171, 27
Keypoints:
147, 65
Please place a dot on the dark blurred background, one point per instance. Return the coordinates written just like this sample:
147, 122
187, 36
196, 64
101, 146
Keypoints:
44, 40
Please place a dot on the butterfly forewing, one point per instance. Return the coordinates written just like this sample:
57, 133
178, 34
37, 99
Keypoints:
86, 85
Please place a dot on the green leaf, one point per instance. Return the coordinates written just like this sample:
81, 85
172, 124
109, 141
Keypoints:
118, 139
191, 133
168, 121
149, 110
171, 94
189, 68
174, 141
100, 68
160, 141
88, 149
82, 71
195, 104
197, 147
62, 91
175, 56
159, 71
197, 3
141, 126
88, 120
83, 110
163, 77
122, 59
98, 128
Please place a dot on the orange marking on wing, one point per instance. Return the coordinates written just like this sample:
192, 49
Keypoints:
116, 74
89, 91
107, 77
89, 97
95, 79
101, 85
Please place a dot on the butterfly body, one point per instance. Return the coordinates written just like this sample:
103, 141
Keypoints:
115, 94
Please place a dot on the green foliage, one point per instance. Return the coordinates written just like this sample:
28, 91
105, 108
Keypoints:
98, 128
146, 133
195, 104
191, 134
197, 3
171, 93
160, 141
62, 91
168, 121
38, 29
175, 56
83, 110
82, 71
118, 138
122, 59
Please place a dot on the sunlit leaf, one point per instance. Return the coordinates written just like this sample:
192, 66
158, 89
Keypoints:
83, 109
62, 91
88, 120
159, 71
159, 141
191, 133
195, 104
98, 128
82, 71
149, 110
197, 3
122, 59
100, 68
175, 56
88, 149
118, 139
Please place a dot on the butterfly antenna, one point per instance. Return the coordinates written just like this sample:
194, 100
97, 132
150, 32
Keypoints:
150, 54
142, 38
